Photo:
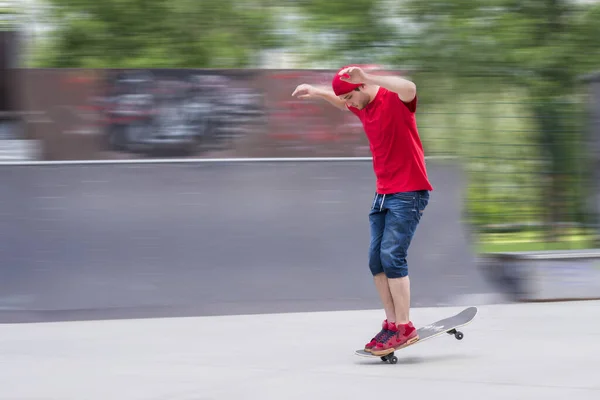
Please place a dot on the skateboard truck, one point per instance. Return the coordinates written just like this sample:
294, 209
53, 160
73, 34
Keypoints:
391, 358
457, 334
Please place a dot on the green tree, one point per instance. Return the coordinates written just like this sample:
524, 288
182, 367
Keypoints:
9, 17
539, 47
357, 31
157, 33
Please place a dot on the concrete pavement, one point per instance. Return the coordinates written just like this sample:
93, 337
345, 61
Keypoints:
510, 351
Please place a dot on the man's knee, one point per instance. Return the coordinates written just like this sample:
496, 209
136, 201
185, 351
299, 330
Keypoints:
375, 263
394, 267
393, 257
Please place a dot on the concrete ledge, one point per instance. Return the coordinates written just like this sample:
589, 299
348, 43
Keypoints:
546, 275
591, 77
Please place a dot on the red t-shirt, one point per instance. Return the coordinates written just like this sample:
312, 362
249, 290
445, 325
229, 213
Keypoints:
398, 158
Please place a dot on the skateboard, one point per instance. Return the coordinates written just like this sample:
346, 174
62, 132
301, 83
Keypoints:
446, 325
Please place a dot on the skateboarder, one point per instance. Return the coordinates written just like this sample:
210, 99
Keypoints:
386, 106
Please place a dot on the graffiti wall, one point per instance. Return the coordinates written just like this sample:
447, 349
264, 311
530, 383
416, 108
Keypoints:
305, 128
81, 114
121, 114
57, 112
187, 112
13, 145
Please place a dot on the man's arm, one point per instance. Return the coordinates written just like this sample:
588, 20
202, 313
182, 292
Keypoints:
328, 95
305, 91
406, 89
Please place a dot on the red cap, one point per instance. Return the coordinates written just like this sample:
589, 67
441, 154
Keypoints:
341, 87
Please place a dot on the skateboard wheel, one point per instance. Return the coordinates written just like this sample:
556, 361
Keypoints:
458, 335
383, 358
393, 360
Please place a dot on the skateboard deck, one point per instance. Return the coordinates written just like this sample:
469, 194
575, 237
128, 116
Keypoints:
446, 325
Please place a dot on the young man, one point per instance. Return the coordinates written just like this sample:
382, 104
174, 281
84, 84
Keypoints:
386, 107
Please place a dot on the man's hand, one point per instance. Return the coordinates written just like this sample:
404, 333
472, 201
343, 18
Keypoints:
405, 89
306, 91
310, 92
355, 75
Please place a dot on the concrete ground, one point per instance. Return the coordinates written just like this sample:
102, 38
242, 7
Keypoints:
510, 351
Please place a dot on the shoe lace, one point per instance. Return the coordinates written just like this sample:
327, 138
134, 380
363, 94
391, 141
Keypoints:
385, 335
380, 334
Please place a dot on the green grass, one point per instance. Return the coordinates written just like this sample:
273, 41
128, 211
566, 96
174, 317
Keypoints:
573, 239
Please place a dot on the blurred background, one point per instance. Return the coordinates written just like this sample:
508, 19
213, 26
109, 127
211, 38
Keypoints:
509, 95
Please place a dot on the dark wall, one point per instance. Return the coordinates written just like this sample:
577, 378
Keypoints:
3, 73
8, 62
10, 127
211, 238
595, 132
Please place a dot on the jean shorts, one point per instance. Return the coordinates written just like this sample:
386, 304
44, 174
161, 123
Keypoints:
394, 219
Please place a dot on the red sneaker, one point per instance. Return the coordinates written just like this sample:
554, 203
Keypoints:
399, 336
384, 329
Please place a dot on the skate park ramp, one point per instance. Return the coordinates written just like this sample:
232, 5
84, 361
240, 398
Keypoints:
175, 239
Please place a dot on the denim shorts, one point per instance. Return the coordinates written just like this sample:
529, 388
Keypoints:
394, 219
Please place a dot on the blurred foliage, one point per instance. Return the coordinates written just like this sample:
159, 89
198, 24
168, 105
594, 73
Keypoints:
543, 44
157, 33
538, 48
8, 17
357, 29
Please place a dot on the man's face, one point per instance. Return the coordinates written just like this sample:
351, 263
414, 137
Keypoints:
356, 98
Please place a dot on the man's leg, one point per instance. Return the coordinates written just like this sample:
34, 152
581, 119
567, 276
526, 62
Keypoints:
404, 212
400, 290
400, 228
377, 224
383, 288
